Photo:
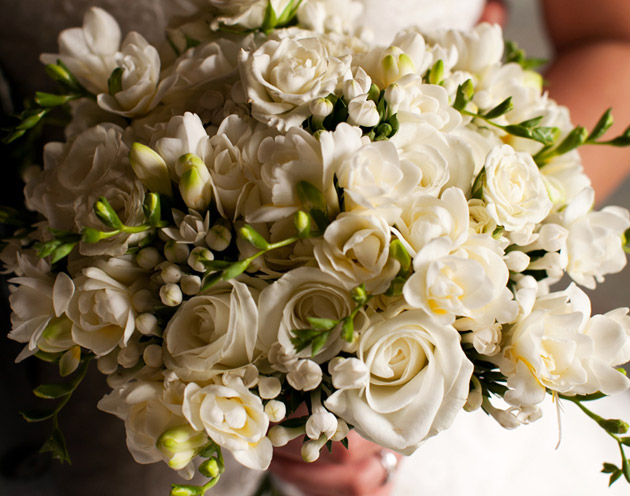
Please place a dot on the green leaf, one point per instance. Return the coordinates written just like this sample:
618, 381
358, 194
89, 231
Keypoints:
531, 123
465, 92
575, 138
396, 286
52, 100
318, 343
344, 442
270, 20
56, 445
609, 468
614, 476
477, 188
216, 264
503, 108
625, 468
211, 280
289, 12
545, 135
620, 141
347, 329
37, 415
248, 233
53, 391
48, 357
323, 324
235, 270
625, 441
603, 124
31, 119
310, 196
62, 252
114, 83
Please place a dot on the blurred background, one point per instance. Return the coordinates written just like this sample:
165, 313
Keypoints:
476, 457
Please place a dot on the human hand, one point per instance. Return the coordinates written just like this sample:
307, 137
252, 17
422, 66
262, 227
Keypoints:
359, 470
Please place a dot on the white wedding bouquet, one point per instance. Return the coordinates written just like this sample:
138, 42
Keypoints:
269, 210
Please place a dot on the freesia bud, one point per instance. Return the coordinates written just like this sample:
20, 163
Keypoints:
280, 436
148, 257
171, 295
180, 445
275, 410
176, 252
396, 64
151, 169
359, 85
311, 449
394, 96
69, 361
171, 273
304, 375
198, 256
269, 387
108, 364
147, 324
152, 355
322, 423
363, 112
195, 183
219, 237
516, 261
190, 284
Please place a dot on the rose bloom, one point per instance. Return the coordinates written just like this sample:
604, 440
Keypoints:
213, 332
418, 381
282, 77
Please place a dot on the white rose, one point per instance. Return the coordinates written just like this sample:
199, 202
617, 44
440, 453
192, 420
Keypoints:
89, 52
213, 332
594, 245
234, 418
102, 308
355, 249
374, 180
282, 77
560, 347
418, 382
286, 304
515, 193
140, 86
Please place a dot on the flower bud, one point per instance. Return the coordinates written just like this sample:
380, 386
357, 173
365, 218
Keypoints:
106, 214
322, 423
148, 257
195, 183
516, 261
359, 85
219, 237
197, 256
171, 295
320, 108
190, 284
70, 361
152, 355
342, 430
475, 396
180, 445
311, 449
363, 112
275, 410
171, 273
280, 358
129, 355
394, 96
147, 324
348, 373
151, 169
269, 387
396, 64
210, 468
176, 252
280, 436
108, 364
304, 375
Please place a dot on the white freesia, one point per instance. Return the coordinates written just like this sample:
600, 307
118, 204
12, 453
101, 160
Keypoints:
514, 191
348, 373
594, 244
560, 347
246, 13
148, 417
282, 77
304, 375
234, 418
102, 308
418, 382
213, 332
89, 52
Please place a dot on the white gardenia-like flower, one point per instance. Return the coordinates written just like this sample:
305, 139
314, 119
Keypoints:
102, 308
418, 381
282, 77
355, 249
234, 418
560, 347
213, 332
89, 52
514, 192
140, 88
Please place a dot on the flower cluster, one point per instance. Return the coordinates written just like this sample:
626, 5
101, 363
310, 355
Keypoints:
268, 210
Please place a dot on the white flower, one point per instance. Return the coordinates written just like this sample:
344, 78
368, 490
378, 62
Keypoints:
89, 52
560, 347
514, 191
363, 112
147, 418
418, 382
140, 86
213, 332
466, 281
594, 245
38, 304
375, 180
304, 375
190, 228
355, 249
324, 16
234, 418
102, 309
246, 13
286, 305
348, 373
282, 77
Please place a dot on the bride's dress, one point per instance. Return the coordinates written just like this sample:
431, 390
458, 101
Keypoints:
475, 457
